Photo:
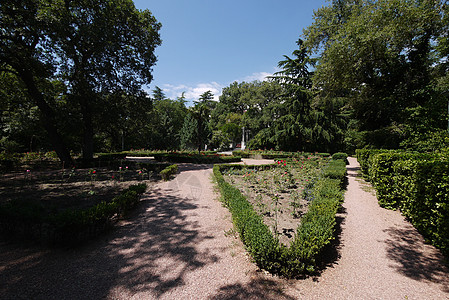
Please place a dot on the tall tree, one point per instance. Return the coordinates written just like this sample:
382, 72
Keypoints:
95, 47
26, 53
380, 57
201, 112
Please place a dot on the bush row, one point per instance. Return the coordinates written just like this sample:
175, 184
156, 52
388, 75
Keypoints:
31, 221
415, 183
196, 158
168, 172
315, 232
274, 154
144, 153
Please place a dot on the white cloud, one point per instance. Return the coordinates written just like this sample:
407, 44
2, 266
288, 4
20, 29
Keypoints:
260, 76
192, 93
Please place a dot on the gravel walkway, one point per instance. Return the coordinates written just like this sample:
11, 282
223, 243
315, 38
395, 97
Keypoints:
180, 245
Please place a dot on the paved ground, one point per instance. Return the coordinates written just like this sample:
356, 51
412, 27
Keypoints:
180, 245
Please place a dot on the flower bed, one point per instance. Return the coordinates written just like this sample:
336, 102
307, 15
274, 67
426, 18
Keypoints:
315, 228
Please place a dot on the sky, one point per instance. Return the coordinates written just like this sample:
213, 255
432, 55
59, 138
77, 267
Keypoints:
209, 44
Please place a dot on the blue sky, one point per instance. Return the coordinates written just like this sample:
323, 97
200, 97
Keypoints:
208, 44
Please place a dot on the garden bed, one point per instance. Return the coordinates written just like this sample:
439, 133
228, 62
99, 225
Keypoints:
278, 193
314, 232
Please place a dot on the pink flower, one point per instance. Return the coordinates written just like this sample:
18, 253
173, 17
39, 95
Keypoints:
93, 172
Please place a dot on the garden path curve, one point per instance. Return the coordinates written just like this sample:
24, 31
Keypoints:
179, 245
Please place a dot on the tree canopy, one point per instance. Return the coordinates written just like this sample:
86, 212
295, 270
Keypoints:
94, 48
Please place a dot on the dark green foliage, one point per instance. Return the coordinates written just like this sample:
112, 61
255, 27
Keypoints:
31, 221
168, 172
315, 232
418, 185
342, 156
364, 157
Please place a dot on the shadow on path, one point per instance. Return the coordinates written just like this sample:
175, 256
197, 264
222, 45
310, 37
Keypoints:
150, 252
256, 289
414, 259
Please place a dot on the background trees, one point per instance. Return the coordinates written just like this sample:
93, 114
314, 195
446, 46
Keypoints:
364, 74
382, 59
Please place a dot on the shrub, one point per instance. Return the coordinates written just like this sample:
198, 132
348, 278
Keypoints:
342, 156
168, 172
336, 169
194, 157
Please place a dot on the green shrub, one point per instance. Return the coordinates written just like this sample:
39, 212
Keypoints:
342, 156
194, 157
168, 172
336, 169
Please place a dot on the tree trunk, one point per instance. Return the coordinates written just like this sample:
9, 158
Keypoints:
48, 120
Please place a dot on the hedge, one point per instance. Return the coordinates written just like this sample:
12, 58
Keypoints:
196, 158
418, 185
275, 154
341, 155
315, 232
168, 172
30, 221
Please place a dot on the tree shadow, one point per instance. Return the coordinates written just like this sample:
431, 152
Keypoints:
149, 252
256, 289
414, 259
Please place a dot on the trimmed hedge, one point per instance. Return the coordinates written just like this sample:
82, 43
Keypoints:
29, 220
196, 158
275, 154
168, 172
341, 155
418, 185
315, 232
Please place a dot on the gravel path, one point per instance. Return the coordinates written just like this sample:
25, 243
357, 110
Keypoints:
180, 245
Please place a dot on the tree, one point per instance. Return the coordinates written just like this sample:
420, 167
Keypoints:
380, 57
95, 47
201, 112
25, 52
189, 133
158, 94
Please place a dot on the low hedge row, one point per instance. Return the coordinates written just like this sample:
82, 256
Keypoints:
168, 172
315, 232
275, 154
196, 158
31, 221
418, 185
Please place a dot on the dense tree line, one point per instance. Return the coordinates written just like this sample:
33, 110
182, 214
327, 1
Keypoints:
366, 73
